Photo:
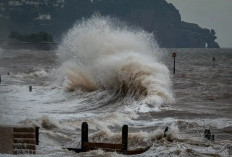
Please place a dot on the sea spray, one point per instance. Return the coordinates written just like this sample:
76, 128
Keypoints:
101, 54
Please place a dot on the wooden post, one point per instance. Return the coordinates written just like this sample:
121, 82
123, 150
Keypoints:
207, 134
212, 138
37, 135
174, 66
125, 137
174, 62
214, 61
84, 134
166, 132
30, 88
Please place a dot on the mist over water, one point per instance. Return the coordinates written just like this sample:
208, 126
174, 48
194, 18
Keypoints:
103, 54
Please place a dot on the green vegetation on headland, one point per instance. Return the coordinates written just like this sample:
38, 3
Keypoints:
39, 37
56, 17
36, 41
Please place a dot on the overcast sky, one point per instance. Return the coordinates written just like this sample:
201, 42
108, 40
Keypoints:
212, 14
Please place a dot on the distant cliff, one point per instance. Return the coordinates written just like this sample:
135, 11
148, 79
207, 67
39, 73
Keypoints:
34, 37
56, 17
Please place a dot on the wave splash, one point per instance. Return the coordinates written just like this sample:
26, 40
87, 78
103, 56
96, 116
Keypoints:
102, 54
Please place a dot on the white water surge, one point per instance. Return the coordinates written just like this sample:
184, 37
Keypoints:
101, 54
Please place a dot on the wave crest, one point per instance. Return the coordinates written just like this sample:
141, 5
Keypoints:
108, 56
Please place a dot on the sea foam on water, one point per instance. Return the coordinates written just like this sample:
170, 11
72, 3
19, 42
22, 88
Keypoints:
103, 54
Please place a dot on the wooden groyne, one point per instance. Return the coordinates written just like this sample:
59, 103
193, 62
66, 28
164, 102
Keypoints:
18, 139
119, 148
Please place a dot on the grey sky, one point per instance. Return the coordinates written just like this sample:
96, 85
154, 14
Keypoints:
212, 14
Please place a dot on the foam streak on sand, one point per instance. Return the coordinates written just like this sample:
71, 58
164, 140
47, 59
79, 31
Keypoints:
102, 54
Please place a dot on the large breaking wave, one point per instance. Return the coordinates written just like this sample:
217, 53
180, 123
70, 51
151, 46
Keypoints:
103, 54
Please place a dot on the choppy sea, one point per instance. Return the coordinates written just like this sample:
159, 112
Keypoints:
109, 76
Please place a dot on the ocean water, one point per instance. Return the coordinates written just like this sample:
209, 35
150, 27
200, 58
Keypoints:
109, 75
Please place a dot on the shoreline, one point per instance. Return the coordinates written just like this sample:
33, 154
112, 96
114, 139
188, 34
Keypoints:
7, 45
28, 45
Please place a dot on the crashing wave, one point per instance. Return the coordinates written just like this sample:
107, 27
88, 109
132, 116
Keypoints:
101, 54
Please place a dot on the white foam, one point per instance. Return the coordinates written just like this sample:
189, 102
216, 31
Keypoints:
99, 54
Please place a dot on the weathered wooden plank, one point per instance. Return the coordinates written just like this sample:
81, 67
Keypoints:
89, 145
25, 151
27, 140
77, 150
17, 140
24, 146
24, 129
24, 135
134, 152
